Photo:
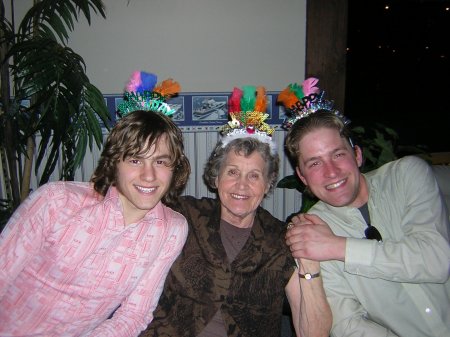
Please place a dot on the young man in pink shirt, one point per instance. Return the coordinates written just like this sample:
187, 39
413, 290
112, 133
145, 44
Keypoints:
90, 259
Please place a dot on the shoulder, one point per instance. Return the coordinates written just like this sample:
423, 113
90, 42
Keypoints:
175, 222
406, 171
406, 179
266, 215
269, 222
319, 206
192, 207
65, 190
190, 201
172, 216
404, 166
328, 213
58, 198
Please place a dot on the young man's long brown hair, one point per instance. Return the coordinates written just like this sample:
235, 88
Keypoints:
134, 135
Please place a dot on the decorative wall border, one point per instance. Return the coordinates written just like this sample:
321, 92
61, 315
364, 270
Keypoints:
203, 109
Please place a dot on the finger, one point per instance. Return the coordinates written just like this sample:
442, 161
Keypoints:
297, 251
296, 234
293, 236
295, 219
313, 218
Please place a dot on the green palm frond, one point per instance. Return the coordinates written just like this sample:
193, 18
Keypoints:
65, 109
48, 16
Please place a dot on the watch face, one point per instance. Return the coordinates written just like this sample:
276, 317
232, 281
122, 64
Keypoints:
309, 276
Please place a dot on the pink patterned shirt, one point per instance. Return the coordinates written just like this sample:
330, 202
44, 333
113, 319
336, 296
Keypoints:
67, 262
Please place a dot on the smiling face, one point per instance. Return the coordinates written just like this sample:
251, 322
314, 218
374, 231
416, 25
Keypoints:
329, 166
241, 184
143, 180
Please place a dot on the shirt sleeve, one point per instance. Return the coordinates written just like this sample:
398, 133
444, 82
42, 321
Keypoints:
421, 253
23, 236
349, 316
136, 311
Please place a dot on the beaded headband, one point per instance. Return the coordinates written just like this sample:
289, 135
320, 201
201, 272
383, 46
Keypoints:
300, 101
247, 113
142, 93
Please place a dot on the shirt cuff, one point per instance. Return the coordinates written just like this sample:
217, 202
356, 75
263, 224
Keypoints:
359, 252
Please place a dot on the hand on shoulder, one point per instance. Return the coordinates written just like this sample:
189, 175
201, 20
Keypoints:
311, 238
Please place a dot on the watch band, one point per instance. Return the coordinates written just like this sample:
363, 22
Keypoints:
309, 276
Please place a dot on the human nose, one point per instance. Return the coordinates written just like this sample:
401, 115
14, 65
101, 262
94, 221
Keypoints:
330, 169
148, 172
242, 181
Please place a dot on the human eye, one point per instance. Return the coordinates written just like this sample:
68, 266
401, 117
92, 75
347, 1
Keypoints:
313, 164
340, 154
254, 176
162, 162
232, 172
134, 161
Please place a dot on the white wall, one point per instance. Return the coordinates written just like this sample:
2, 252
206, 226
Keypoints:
207, 45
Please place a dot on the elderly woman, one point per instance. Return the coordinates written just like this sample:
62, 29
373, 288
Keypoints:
234, 268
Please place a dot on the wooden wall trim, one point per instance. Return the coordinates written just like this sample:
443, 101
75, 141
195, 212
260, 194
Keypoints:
326, 45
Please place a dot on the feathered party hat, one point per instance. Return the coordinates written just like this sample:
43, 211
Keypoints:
143, 93
302, 100
247, 114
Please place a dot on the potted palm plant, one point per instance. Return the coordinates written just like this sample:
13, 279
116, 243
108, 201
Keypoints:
45, 91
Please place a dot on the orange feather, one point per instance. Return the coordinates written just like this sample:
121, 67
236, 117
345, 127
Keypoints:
287, 98
168, 88
261, 99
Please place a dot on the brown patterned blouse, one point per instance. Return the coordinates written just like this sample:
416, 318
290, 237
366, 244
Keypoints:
249, 291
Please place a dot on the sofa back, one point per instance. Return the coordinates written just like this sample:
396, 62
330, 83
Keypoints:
442, 173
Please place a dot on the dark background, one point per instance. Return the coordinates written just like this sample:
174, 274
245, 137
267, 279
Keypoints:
398, 69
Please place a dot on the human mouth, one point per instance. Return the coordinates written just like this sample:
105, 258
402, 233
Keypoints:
238, 196
145, 189
335, 185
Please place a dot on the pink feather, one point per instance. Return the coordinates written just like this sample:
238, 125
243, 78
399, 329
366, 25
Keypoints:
134, 82
234, 104
308, 86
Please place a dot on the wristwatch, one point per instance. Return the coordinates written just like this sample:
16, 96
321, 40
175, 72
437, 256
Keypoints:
309, 276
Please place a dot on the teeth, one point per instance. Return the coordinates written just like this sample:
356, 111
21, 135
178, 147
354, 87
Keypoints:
335, 185
146, 190
238, 196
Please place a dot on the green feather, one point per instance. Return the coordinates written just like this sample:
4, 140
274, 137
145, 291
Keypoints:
248, 99
298, 91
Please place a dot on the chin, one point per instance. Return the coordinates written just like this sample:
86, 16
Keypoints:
238, 214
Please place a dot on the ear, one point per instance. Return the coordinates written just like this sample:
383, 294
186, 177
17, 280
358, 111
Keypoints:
266, 190
358, 155
216, 182
299, 174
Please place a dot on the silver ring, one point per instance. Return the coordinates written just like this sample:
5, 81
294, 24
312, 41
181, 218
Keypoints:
290, 225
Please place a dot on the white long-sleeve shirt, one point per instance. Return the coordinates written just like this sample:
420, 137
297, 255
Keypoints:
398, 287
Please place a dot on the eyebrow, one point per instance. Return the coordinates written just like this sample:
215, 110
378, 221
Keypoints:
163, 156
235, 166
141, 156
331, 152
